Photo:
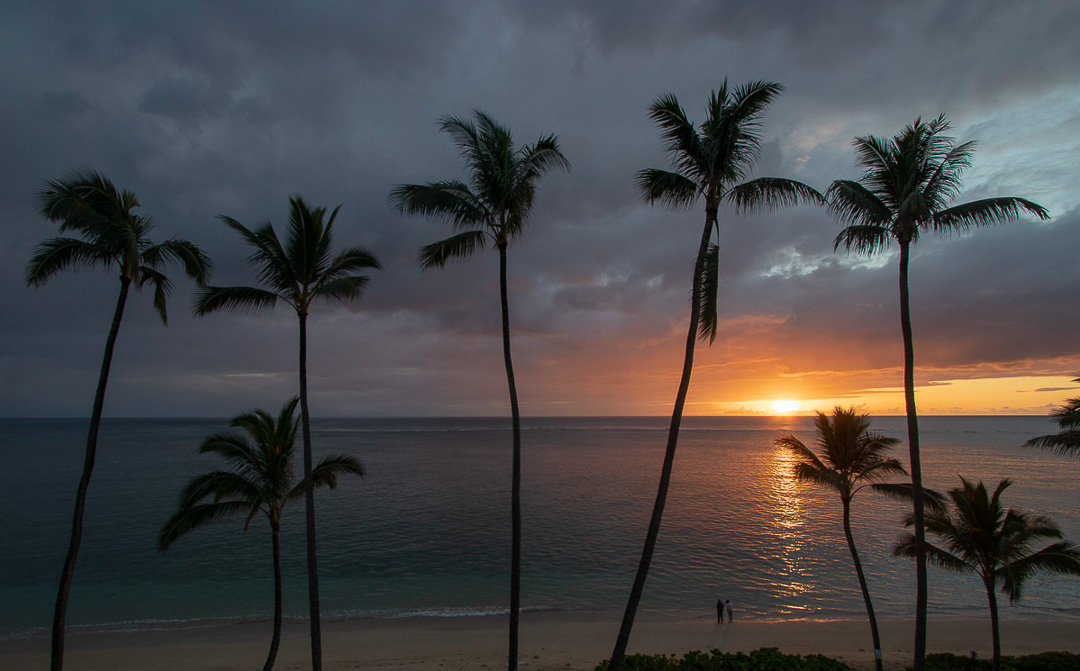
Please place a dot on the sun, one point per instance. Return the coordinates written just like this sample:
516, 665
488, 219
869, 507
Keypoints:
781, 407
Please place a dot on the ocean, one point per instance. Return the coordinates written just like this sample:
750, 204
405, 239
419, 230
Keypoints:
426, 532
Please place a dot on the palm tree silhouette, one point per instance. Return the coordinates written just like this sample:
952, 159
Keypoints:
907, 184
491, 209
112, 235
851, 458
1066, 441
298, 273
260, 480
709, 164
980, 536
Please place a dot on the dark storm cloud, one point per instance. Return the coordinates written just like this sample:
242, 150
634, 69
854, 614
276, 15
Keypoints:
228, 108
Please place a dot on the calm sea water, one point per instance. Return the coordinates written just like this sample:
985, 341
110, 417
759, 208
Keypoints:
427, 531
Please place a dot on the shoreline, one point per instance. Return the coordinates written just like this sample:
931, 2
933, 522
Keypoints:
550, 641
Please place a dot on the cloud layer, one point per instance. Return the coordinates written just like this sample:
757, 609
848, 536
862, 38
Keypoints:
206, 109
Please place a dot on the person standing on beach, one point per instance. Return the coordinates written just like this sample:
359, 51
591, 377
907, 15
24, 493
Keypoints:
719, 610
730, 610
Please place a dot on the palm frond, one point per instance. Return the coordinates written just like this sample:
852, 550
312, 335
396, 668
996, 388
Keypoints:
233, 448
326, 472
220, 485
710, 287
542, 156
450, 200
670, 188
85, 201
461, 245
197, 265
351, 260
771, 193
162, 287
987, 212
59, 254
824, 476
852, 203
1065, 443
267, 255
343, 289
234, 299
680, 138
867, 240
187, 519
944, 183
904, 491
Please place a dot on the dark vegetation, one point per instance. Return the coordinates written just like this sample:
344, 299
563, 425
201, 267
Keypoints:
765, 659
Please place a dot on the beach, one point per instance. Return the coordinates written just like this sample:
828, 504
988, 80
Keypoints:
549, 642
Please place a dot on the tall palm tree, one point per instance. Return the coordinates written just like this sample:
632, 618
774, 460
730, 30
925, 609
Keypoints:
259, 480
111, 235
1066, 441
297, 274
851, 459
980, 536
709, 165
491, 209
907, 184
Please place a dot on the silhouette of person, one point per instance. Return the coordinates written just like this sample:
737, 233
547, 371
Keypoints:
730, 610
719, 610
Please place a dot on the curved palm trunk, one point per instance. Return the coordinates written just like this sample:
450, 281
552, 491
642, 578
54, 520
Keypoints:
64, 591
995, 632
669, 455
309, 506
916, 464
515, 487
275, 640
862, 585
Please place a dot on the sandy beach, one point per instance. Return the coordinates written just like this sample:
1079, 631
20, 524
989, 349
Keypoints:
549, 641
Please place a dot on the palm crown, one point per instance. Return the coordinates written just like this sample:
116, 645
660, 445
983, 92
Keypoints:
1066, 441
907, 184
495, 204
981, 536
297, 272
711, 163
112, 235
260, 478
851, 457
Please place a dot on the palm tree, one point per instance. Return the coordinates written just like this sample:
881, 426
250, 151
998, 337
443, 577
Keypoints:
1066, 441
709, 164
492, 209
980, 536
260, 480
298, 273
907, 184
851, 459
111, 235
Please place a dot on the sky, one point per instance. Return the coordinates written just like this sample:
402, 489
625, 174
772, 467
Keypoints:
207, 108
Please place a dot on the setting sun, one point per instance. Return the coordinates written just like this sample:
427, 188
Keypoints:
785, 406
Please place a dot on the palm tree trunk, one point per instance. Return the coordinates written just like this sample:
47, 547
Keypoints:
309, 505
515, 486
862, 585
669, 454
994, 631
921, 594
64, 591
275, 640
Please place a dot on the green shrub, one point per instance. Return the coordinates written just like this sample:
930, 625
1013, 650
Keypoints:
765, 659
1044, 661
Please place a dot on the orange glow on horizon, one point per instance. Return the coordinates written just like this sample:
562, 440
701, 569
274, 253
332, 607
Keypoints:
1020, 395
784, 407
